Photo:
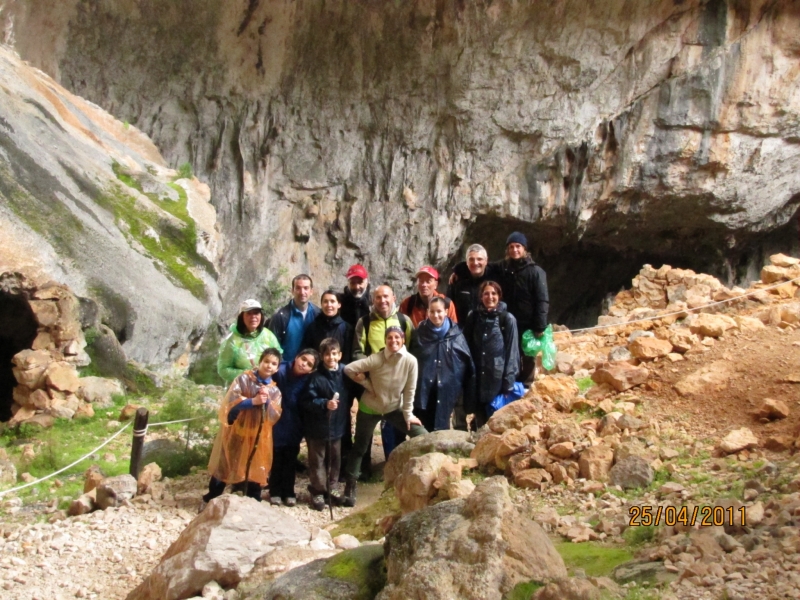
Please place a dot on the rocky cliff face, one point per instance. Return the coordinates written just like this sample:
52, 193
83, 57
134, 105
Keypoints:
610, 132
88, 202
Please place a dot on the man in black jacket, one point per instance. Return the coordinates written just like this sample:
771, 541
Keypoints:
356, 298
464, 291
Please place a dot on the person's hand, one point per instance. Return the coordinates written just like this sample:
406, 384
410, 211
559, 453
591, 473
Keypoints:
538, 334
332, 404
358, 377
453, 279
261, 397
413, 421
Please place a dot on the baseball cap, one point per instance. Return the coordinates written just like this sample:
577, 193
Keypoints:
357, 271
248, 305
428, 271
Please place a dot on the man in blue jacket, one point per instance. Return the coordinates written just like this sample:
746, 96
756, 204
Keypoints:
289, 322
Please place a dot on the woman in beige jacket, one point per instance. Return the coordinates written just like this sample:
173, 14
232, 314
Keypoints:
389, 378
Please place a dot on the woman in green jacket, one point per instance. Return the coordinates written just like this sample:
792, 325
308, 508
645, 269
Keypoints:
245, 343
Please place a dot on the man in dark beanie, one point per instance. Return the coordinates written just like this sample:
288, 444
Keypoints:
525, 293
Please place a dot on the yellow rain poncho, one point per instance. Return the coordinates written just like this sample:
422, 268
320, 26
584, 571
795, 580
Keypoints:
234, 443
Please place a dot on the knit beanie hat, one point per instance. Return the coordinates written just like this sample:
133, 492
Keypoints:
395, 329
517, 238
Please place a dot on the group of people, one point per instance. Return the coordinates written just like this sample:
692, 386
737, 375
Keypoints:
417, 367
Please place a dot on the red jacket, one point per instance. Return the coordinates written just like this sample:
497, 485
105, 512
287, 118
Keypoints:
418, 312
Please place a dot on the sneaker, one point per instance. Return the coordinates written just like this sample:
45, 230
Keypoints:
275, 501
290, 501
318, 502
336, 498
202, 506
349, 493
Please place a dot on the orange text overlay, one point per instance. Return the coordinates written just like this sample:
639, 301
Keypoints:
704, 516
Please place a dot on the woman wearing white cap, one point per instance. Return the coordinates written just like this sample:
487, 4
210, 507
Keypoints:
245, 343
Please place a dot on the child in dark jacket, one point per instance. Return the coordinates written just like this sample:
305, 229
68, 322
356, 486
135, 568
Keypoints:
325, 420
292, 378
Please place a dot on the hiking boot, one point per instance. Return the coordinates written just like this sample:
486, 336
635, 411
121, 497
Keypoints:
318, 502
290, 501
336, 498
276, 501
349, 493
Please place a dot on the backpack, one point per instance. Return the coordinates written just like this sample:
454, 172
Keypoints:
365, 323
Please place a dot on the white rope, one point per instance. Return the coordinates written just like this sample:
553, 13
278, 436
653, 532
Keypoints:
171, 422
69, 466
680, 312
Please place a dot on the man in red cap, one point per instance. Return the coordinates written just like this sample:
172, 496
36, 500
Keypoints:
356, 299
416, 305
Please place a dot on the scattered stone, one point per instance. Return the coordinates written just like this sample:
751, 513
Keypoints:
92, 478
562, 449
773, 409
346, 542
621, 376
738, 440
83, 504
713, 326
422, 478
709, 378
128, 412
573, 588
560, 389
632, 472
511, 416
149, 474
62, 376
649, 348
620, 354
115, 491
595, 462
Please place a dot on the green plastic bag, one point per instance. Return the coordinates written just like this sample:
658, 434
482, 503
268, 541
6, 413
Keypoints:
532, 346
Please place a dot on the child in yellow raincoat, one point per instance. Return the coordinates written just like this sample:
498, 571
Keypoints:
243, 448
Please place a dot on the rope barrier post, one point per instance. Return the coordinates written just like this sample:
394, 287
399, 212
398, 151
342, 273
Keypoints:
139, 431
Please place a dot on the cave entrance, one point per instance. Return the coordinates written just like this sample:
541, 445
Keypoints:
18, 329
582, 273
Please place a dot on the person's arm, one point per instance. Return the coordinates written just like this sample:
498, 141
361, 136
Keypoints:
511, 346
541, 304
363, 366
226, 360
274, 406
409, 389
359, 340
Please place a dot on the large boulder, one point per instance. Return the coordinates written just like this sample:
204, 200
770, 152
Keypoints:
355, 574
477, 547
709, 378
512, 416
632, 472
737, 440
221, 544
99, 390
422, 478
453, 443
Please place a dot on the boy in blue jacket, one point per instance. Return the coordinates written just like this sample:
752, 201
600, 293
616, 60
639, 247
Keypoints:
324, 407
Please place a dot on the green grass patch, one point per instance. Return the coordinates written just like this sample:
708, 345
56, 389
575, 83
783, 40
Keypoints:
173, 247
584, 383
524, 590
363, 524
637, 536
363, 566
185, 171
70, 439
595, 559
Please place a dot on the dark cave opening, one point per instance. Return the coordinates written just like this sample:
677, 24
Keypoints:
582, 273
18, 329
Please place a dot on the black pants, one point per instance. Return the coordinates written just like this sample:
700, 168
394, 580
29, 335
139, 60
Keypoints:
217, 487
365, 425
480, 416
282, 476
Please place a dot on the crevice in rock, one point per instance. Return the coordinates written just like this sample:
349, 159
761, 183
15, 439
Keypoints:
18, 328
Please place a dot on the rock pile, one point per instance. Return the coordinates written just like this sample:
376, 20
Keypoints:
48, 386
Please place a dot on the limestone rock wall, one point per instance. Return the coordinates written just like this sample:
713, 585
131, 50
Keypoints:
391, 132
89, 207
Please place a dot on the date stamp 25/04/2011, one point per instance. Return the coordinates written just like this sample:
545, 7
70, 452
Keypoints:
704, 516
